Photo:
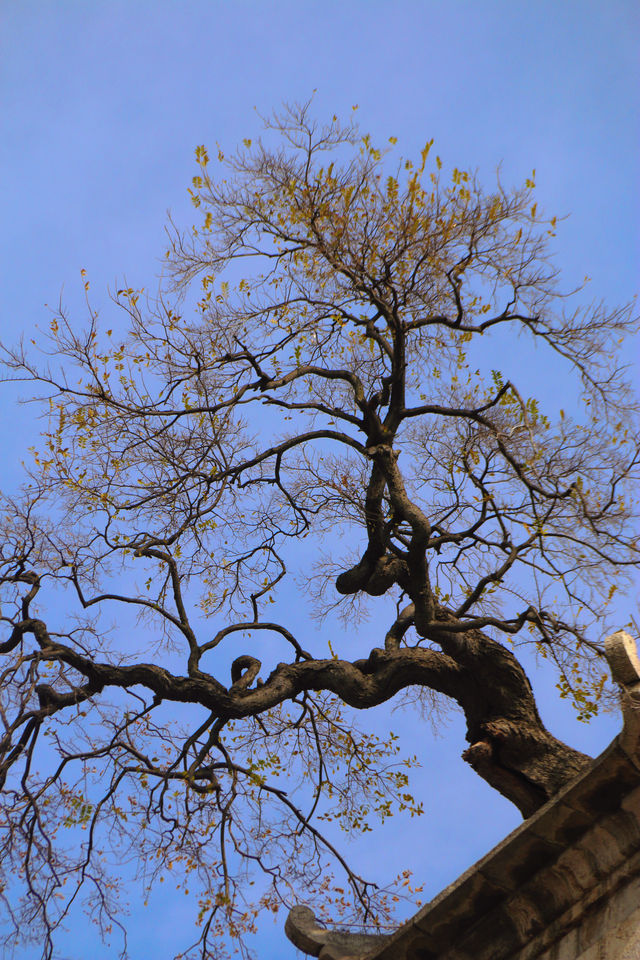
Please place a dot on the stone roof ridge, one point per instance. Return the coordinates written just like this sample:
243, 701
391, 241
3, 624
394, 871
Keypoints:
304, 930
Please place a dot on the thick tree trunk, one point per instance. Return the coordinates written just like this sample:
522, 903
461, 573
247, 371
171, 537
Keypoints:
510, 746
527, 769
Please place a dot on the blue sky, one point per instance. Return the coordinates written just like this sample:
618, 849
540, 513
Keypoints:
103, 105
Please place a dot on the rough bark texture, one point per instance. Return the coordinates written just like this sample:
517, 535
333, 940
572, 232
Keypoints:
510, 746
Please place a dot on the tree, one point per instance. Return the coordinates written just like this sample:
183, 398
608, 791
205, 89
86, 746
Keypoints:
314, 361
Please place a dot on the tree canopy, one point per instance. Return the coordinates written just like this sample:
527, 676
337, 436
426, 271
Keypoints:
307, 406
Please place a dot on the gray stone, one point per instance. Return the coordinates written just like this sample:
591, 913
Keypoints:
304, 931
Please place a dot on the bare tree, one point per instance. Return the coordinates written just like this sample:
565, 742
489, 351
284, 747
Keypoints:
311, 365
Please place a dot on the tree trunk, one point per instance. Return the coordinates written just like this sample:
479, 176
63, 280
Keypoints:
510, 746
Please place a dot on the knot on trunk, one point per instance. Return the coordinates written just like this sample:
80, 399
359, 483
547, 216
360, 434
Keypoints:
524, 762
374, 577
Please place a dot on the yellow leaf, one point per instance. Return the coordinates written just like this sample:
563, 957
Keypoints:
202, 156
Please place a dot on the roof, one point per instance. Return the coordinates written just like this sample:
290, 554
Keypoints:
534, 887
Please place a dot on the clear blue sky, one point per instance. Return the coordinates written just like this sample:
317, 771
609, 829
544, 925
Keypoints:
103, 104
